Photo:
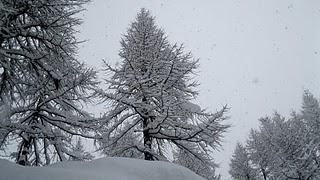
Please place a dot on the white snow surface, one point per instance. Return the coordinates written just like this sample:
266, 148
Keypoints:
100, 169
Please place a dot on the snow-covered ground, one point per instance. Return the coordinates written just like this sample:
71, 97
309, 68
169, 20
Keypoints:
100, 169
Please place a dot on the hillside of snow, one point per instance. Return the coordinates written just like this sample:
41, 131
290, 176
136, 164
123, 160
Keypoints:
100, 169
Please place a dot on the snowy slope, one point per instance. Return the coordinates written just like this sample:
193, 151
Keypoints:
100, 169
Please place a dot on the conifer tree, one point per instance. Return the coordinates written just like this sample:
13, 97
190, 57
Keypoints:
287, 148
240, 166
197, 165
42, 85
150, 95
259, 153
79, 153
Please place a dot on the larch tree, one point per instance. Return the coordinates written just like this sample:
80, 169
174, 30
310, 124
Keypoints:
241, 165
79, 153
42, 85
150, 96
272, 133
288, 141
197, 165
287, 148
310, 115
259, 153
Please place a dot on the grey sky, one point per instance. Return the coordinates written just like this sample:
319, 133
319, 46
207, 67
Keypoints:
257, 56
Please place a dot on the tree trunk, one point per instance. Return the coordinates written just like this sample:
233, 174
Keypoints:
248, 177
23, 156
264, 174
147, 141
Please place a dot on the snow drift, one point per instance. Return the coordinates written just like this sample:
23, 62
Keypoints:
100, 169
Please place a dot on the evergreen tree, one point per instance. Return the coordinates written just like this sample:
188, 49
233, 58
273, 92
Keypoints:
42, 85
151, 96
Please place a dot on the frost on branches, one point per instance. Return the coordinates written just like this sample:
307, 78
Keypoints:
287, 148
42, 86
150, 95
197, 164
240, 166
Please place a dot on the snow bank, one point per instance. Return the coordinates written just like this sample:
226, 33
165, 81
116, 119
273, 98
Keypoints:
100, 169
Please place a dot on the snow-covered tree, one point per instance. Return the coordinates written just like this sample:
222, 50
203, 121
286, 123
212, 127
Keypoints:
288, 142
150, 95
311, 115
240, 166
125, 147
35, 36
273, 132
42, 85
288, 148
196, 164
259, 153
78, 152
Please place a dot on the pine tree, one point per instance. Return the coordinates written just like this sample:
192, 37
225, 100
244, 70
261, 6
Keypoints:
151, 96
42, 85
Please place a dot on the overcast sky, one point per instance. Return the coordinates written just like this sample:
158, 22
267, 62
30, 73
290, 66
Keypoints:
256, 56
